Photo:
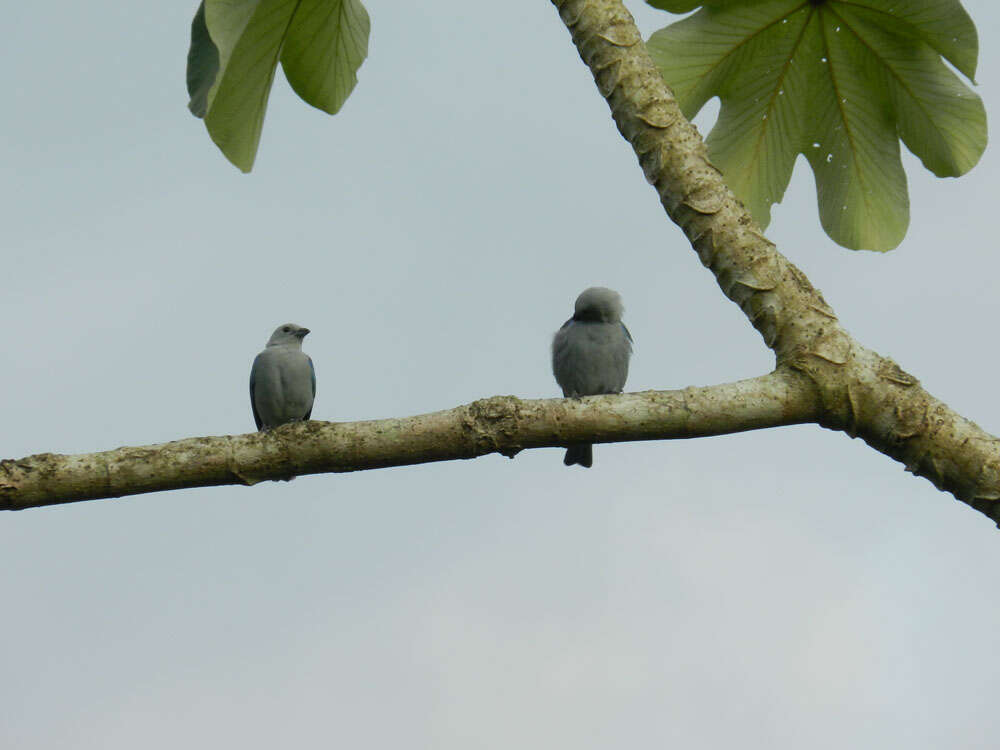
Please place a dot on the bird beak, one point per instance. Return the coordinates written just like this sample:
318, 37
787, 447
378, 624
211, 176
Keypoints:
301, 333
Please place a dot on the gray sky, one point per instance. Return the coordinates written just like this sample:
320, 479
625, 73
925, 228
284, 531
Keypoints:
780, 589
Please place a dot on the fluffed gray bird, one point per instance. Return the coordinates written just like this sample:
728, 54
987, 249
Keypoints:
282, 379
590, 354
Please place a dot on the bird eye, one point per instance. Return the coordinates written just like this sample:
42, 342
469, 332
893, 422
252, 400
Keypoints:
286, 329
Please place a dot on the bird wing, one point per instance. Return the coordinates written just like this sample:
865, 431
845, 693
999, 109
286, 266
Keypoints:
312, 375
253, 401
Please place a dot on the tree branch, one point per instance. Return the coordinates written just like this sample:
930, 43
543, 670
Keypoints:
502, 424
823, 375
861, 393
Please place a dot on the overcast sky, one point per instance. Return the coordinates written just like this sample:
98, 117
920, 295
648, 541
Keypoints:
781, 589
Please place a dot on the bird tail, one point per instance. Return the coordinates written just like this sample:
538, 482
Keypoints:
582, 454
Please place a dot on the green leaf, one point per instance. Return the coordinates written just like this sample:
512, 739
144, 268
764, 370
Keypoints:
248, 35
321, 44
203, 64
325, 46
675, 6
840, 82
944, 25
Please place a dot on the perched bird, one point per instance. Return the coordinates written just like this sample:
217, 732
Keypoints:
282, 379
590, 354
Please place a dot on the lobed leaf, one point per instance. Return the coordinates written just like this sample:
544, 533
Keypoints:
235, 49
839, 82
325, 46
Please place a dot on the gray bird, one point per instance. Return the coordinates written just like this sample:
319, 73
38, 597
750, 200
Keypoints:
590, 354
282, 379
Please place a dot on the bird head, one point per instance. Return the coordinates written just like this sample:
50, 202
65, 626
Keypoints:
286, 334
598, 304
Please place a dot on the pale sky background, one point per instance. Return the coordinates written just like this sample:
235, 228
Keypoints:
781, 589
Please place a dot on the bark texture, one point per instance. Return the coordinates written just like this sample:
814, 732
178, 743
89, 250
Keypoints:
860, 392
502, 424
